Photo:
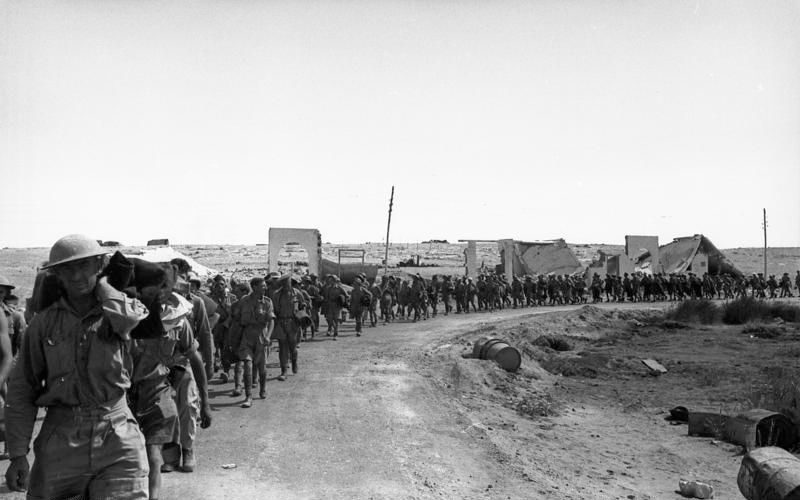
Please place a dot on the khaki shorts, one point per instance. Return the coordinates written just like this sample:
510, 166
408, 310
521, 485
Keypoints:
89, 453
156, 411
252, 348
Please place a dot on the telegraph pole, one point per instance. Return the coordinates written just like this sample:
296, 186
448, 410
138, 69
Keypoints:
765, 243
388, 225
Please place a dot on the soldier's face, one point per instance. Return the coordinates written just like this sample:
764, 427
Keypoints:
80, 277
3, 293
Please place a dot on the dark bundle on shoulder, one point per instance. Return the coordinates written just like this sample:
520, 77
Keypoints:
120, 273
147, 274
131, 276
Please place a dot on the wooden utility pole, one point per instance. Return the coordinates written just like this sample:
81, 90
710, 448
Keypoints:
388, 225
765, 243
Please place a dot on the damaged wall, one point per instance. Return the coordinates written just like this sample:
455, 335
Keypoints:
471, 258
310, 239
695, 254
520, 258
643, 251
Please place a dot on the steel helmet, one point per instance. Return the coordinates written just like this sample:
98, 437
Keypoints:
71, 248
6, 283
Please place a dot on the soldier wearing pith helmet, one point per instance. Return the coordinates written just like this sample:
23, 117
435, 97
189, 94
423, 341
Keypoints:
73, 363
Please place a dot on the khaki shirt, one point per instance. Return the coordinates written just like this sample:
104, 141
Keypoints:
355, 299
332, 295
65, 362
254, 314
286, 304
153, 358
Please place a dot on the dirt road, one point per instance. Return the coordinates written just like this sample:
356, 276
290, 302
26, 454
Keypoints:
372, 417
399, 414
357, 421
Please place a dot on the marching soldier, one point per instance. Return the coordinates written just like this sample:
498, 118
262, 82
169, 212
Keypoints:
786, 285
313, 290
16, 320
255, 318
156, 350
335, 300
287, 302
447, 292
375, 291
73, 362
360, 298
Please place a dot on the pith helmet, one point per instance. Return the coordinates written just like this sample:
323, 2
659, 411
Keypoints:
71, 248
6, 282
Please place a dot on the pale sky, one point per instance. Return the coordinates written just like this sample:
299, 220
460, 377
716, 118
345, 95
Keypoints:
209, 122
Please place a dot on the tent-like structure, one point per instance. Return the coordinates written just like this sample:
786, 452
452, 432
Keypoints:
347, 271
166, 254
696, 254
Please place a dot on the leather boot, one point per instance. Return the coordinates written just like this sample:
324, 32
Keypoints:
188, 460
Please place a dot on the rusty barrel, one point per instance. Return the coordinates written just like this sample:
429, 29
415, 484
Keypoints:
752, 429
757, 427
499, 351
769, 473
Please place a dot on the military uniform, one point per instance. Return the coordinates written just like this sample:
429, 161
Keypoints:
16, 326
316, 303
375, 291
360, 298
253, 316
77, 366
335, 299
287, 332
447, 291
153, 358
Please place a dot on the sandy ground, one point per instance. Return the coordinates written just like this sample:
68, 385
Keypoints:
399, 413
245, 261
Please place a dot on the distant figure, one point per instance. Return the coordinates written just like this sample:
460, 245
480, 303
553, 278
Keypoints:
786, 285
335, 300
16, 319
360, 299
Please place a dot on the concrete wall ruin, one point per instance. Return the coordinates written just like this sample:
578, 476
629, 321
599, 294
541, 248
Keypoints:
310, 239
520, 258
620, 265
471, 258
636, 248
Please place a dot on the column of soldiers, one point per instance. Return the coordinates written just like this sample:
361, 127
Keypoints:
416, 298
127, 345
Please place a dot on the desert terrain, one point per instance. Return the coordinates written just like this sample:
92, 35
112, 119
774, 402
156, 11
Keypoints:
402, 413
245, 261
